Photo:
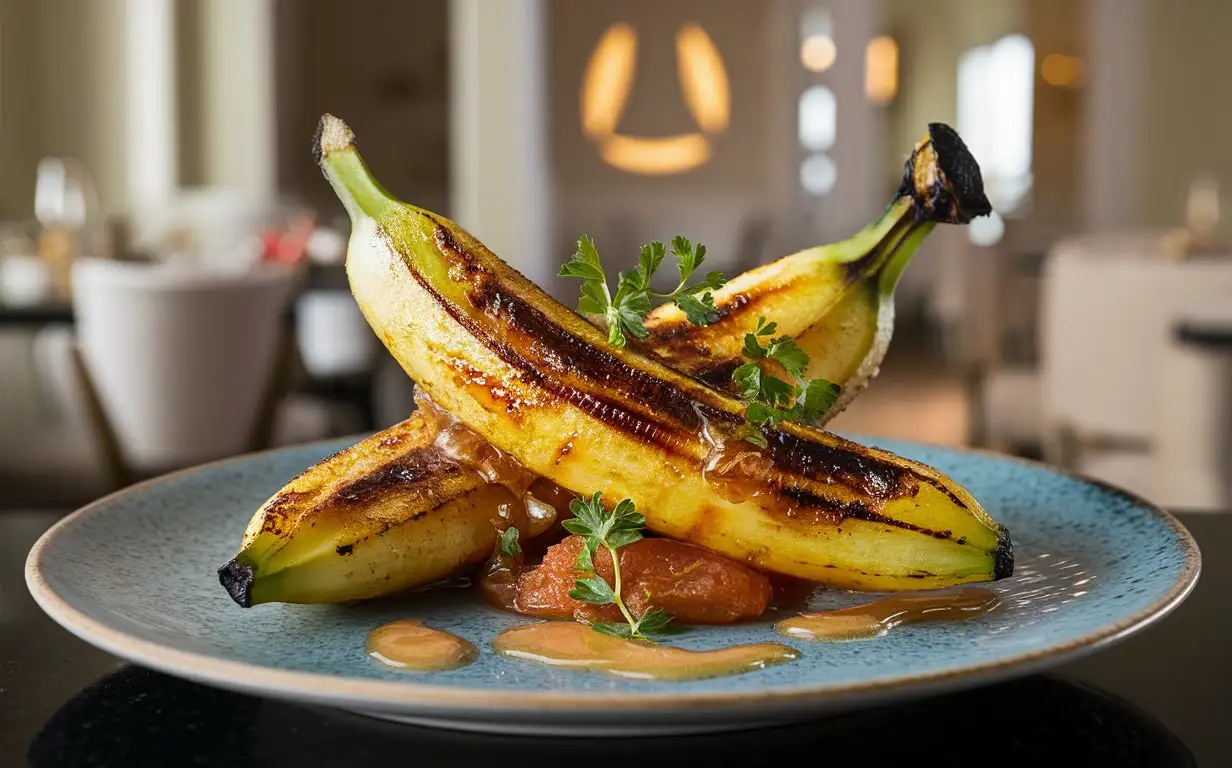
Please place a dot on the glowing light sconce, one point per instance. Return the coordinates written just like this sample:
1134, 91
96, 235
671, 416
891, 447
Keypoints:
608, 81
1062, 71
881, 70
818, 52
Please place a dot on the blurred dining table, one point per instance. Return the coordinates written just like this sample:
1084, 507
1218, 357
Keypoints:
1160, 698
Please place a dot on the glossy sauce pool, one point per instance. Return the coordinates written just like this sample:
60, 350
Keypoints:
570, 644
408, 644
875, 619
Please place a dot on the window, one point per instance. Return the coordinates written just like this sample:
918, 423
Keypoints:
995, 114
818, 118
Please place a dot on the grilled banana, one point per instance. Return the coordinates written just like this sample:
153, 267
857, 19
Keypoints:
543, 385
389, 513
838, 299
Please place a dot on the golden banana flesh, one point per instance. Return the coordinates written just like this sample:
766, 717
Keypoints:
542, 385
836, 300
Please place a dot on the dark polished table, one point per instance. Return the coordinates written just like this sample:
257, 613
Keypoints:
1161, 698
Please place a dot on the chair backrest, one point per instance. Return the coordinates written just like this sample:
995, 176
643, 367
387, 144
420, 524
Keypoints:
181, 358
1105, 318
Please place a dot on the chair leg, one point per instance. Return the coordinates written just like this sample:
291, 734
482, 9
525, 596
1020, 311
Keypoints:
279, 383
119, 473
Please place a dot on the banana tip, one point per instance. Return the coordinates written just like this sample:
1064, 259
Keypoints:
1003, 557
961, 170
236, 578
332, 135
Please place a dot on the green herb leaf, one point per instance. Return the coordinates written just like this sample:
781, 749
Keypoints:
650, 259
688, 258
656, 623
784, 351
594, 590
585, 560
509, 545
768, 399
626, 312
699, 310
631, 311
613, 628
747, 379
588, 515
585, 262
819, 397
618, 539
594, 299
612, 530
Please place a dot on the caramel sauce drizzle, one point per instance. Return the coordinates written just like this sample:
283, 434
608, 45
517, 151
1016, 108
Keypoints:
572, 645
878, 618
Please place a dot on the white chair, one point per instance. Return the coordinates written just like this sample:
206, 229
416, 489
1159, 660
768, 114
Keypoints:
1107, 308
182, 360
1193, 414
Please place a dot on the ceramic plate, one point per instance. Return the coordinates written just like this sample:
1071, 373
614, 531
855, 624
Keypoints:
134, 574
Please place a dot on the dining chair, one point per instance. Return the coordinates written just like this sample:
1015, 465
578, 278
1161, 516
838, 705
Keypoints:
1106, 312
177, 365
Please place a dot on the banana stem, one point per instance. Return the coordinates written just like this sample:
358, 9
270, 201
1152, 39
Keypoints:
360, 192
892, 268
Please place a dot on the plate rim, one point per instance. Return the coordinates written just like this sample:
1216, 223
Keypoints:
410, 696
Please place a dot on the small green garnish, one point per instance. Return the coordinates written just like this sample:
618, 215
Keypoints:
509, 545
770, 400
626, 312
611, 530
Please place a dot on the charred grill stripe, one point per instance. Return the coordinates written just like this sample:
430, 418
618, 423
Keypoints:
849, 465
859, 511
410, 469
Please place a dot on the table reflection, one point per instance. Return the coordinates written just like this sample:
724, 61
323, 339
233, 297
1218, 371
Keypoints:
136, 717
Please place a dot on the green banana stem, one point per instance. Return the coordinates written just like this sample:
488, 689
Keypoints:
333, 146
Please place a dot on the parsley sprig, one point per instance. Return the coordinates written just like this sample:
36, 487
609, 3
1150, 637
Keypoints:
770, 400
626, 311
611, 530
509, 545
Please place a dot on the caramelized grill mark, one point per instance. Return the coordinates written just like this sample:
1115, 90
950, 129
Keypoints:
849, 465
857, 510
719, 373
279, 509
553, 347
412, 468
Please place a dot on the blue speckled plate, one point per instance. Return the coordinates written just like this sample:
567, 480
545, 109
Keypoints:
134, 574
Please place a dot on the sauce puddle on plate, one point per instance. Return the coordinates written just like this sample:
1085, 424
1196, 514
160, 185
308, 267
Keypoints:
570, 644
408, 644
875, 619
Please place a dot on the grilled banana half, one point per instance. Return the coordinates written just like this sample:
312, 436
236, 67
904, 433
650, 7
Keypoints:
837, 300
387, 496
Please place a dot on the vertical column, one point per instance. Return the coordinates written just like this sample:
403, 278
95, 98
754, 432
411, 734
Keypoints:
150, 81
499, 184
237, 93
1113, 141
857, 153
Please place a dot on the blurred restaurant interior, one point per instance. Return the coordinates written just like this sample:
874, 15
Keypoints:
171, 280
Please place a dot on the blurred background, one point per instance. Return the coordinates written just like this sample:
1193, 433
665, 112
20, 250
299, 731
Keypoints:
171, 288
